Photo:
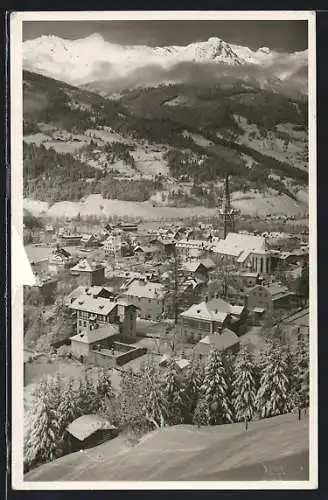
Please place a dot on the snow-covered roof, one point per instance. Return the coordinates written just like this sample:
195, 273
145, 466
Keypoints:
96, 334
215, 309
220, 341
145, 289
86, 425
208, 263
84, 265
192, 266
90, 304
240, 245
182, 363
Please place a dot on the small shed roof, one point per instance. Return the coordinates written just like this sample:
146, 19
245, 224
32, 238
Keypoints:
86, 425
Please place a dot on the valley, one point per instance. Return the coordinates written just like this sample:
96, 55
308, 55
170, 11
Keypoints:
141, 149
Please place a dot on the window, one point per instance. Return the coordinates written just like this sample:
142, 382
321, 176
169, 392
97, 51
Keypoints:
80, 322
84, 323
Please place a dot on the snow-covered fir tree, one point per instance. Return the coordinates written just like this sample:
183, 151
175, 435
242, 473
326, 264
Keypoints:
131, 411
173, 394
215, 390
103, 389
273, 397
41, 441
201, 415
192, 389
302, 372
155, 401
244, 387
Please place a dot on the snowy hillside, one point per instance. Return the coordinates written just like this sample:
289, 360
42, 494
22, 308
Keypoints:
185, 453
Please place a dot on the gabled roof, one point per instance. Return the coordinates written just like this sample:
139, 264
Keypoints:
86, 425
146, 289
90, 304
240, 245
208, 263
146, 249
182, 363
215, 309
84, 265
220, 341
77, 292
192, 266
87, 237
201, 311
97, 334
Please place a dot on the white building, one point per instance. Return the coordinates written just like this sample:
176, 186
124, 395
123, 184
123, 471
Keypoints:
192, 248
245, 251
113, 244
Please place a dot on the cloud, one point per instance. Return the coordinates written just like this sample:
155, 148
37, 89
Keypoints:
280, 75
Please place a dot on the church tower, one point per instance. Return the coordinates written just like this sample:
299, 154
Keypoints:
226, 212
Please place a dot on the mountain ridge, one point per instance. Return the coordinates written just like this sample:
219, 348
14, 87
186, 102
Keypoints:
84, 60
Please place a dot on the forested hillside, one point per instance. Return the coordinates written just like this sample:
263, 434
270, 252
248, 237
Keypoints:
78, 143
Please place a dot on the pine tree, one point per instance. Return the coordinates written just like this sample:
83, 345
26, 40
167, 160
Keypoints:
42, 440
215, 390
201, 414
87, 399
192, 389
244, 387
302, 373
155, 402
131, 405
103, 385
273, 396
173, 394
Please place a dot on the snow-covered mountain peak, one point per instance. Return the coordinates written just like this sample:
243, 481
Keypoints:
92, 58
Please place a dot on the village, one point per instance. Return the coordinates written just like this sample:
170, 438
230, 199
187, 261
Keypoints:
167, 294
172, 290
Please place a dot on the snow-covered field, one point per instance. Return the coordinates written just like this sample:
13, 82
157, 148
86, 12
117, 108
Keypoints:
107, 135
95, 204
294, 153
149, 161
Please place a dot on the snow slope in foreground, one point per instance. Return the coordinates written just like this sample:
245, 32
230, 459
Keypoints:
271, 449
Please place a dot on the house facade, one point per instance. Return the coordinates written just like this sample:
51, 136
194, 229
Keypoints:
89, 274
113, 245
69, 240
148, 297
210, 317
192, 248
89, 241
93, 313
268, 298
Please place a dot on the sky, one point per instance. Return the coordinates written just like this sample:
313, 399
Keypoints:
282, 36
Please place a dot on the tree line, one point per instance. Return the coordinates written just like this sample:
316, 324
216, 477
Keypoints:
227, 389
51, 176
